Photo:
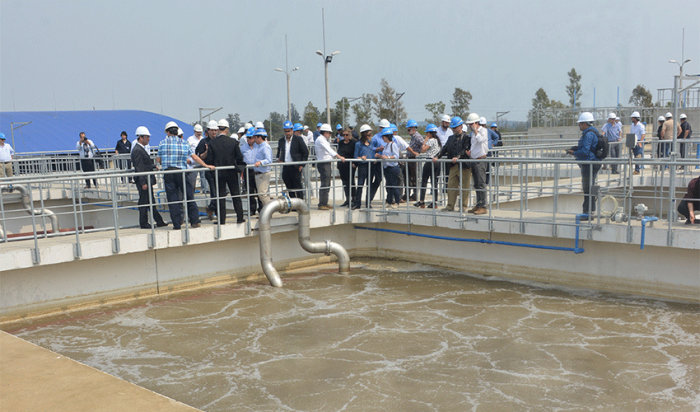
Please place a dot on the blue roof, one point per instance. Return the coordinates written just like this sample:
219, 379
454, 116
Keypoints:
58, 132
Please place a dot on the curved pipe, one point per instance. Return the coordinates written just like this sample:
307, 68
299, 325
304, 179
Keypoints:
285, 206
37, 212
644, 223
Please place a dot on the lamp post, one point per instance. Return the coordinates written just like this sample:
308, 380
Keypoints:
396, 108
326, 61
288, 73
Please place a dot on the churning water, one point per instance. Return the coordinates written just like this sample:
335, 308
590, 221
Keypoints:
398, 337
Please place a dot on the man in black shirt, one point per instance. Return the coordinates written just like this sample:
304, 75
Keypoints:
202, 152
456, 149
124, 148
144, 184
225, 151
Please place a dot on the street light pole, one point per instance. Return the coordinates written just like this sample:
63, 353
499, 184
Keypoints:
326, 60
288, 73
396, 108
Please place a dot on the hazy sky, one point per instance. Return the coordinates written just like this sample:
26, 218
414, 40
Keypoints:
173, 57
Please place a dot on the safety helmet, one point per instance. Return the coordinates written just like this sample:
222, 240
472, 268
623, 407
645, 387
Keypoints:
611, 116
169, 125
247, 126
287, 125
431, 128
473, 118
586, 117
250, 132
213, 125
319, 125
338, 127
387, 131
140, 131
384, 123
325, 127
457, 121
241, 130
661, 119
2, 136
411, 123
393, 127
635, 114
446, 118
180, 132
683, 116
259, 125
617, 118
669, 115
306, 127
223, 123
298, 126
364, 128
494, 125
198, 128
260, 132
482, 121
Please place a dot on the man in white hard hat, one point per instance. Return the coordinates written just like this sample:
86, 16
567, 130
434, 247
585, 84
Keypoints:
478, 151
144, 184
686, 132
325, 153
667, 134
585, 151
202, 152
638, 129
239, 134
613, 132
308, 136
375, 171
226, 153
444, 131
172, 155
193, 141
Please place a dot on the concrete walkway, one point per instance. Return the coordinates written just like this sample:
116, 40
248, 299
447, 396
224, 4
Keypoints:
35, 379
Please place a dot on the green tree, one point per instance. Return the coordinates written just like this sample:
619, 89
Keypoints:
311, 116
641, 97
273, 125
387, 106
460, 102
539, 105
363, 109
574, 88
436, 109
234, 122
339, 115
295, 114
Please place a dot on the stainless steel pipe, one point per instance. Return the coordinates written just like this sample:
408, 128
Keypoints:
285, 206
24, 192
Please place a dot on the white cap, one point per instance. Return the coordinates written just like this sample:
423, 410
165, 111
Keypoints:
198, 128
683, 116
669, 115
223, 123
259, 125
326, 128
213, 125
446, 118
384, 123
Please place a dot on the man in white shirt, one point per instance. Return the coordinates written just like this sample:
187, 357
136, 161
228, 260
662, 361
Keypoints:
193, 141
444, 131
639, 131
479, 150
325, 153
6, 153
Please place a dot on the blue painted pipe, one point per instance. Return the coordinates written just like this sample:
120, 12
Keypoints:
487, 241
644, 222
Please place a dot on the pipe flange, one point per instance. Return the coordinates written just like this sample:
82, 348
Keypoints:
328, 247
288, 207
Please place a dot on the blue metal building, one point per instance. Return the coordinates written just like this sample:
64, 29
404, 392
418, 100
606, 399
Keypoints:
58, 132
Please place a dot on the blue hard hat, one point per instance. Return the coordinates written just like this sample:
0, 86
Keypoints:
319, 125
2, 136
387, 131
411, 123
250, 132
261, 132
456, 121
298, 126
338, 127
287, 125
431, 128
494, 125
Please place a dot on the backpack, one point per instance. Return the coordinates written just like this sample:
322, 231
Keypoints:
601, 148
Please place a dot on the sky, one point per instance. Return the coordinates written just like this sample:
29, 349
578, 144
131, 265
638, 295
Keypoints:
174, 57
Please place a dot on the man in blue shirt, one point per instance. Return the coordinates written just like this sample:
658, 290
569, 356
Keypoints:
263, 158
585, 151
613, 131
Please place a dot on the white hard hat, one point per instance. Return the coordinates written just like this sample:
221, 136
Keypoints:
384, 123
213, 125
617, 118
180, 132
306, 127
326, 128
683, 116
635, 114
364, 128
247, 126
241, 130
259, 125
661, 119
611, 116
473, 118
482, 121
223, 123
198, 128
170, 124
586, 117
445, 118
142, 131
669, 115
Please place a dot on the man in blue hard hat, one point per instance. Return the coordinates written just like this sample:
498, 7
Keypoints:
412, 152
460, 174
317, 133
292, 148
6, 153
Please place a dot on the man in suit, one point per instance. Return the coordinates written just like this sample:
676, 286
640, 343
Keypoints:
292, 148
227, 152
143, 163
